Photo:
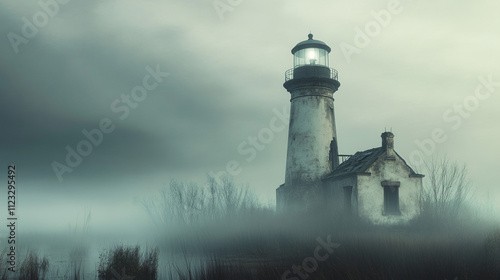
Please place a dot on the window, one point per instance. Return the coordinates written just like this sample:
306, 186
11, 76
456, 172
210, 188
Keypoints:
391, 197
347, 199
311, 56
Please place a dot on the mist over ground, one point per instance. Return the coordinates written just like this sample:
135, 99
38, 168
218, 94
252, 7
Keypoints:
213, 74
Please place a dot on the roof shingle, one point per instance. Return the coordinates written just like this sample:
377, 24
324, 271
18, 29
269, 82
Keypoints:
357, 163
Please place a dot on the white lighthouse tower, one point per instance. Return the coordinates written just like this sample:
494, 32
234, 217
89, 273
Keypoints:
312, 139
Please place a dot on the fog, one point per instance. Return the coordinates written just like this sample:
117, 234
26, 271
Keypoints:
213, 74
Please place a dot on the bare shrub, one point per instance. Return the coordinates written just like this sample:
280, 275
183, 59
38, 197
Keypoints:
446, 190
185, 204
121, 262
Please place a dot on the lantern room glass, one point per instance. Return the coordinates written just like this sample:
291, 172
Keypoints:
310, 56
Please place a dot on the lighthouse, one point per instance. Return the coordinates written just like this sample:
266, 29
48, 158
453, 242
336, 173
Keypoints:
312, 151
376, 185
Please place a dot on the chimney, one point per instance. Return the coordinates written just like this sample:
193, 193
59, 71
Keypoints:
388, 144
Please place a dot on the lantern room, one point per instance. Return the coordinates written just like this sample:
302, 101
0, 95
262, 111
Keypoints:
311, 61
311, 53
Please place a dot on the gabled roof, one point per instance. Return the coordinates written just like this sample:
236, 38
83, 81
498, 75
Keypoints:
358, 163
361, 161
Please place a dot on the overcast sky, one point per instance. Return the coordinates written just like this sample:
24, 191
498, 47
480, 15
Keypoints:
411, 66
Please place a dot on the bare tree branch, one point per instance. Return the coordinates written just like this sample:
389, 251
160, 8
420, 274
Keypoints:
446, 189
185, 204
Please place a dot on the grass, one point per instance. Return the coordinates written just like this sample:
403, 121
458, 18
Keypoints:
262, 245
3, 264
33, 267
492, 251
266, 248
262, 251
379, 255
121, 262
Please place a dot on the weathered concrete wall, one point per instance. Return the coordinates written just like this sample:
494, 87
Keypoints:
334, 194
371, 192
300, 198
312, 128
312, 147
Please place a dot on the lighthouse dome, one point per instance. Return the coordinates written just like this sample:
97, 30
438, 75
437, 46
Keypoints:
311, 43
